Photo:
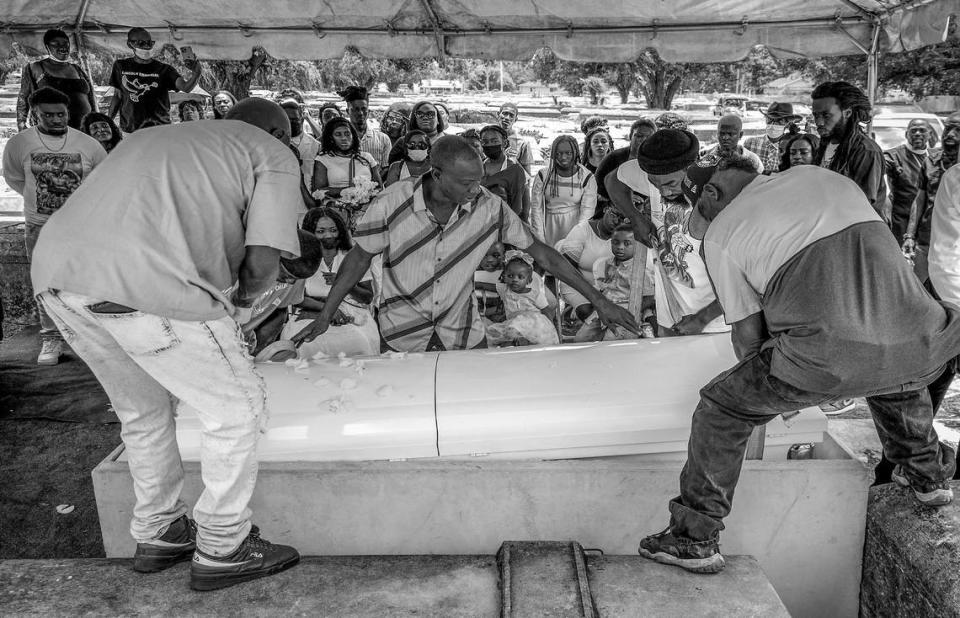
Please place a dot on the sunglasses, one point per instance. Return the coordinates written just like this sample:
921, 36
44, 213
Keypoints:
426, 114
417, 146
142, 43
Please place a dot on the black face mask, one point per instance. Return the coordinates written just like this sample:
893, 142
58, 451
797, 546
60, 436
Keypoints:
493, 152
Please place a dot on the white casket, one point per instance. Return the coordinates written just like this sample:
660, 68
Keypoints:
565, 401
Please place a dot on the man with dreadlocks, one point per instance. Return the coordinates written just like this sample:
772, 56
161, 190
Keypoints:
838, 110
564, 193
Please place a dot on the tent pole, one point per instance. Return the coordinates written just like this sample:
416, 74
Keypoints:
78, 37
873, 64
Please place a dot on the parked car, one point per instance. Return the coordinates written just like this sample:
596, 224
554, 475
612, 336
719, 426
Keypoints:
889, 129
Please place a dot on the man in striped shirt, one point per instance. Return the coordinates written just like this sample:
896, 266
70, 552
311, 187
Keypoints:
372, 141
432, 232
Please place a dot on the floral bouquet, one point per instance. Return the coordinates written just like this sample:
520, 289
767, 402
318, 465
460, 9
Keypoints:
353, 199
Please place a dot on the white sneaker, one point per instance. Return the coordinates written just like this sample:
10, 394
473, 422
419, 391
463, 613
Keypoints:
50, 352
838, 407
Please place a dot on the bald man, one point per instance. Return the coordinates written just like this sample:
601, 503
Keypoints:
904, 165
729, 132
433, 231
149, 270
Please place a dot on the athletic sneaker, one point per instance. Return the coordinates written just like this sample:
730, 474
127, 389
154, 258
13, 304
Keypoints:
176, 544
930, 494
694, 556
50, 351
255, 558
838, 407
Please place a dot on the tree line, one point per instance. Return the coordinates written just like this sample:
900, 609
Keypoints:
933, 70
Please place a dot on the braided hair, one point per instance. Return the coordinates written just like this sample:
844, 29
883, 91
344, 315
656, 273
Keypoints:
553, 178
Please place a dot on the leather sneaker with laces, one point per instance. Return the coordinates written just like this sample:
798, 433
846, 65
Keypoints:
50, 351
930, 494
255, 558
176, 544
694, 556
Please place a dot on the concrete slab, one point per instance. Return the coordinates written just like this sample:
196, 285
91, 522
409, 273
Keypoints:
624, 586
375, 587
911, 558
803, 520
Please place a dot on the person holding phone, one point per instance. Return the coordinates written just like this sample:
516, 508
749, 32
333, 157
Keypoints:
143, 83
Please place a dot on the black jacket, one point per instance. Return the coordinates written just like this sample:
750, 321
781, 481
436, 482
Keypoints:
860, 159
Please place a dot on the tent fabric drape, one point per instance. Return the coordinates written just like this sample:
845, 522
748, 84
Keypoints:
600, 30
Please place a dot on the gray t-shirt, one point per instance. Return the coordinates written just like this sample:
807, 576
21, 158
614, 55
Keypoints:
845, 312
162, 225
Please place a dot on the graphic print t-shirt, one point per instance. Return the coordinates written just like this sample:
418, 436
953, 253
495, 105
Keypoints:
47, 169
144, 91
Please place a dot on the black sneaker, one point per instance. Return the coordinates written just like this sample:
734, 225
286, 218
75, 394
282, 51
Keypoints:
255, 558
930, 494
694, 556
176, 544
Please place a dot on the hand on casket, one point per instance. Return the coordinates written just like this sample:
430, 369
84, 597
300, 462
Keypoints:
615, 315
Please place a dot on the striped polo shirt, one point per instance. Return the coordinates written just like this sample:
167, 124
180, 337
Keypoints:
428, 268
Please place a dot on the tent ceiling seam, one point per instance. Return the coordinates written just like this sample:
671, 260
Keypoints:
438, 31
658, 27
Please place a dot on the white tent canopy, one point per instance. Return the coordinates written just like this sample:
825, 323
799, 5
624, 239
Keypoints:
591, 30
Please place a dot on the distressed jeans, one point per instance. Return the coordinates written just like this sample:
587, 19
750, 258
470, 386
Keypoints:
48, 330
149, 366
746, 396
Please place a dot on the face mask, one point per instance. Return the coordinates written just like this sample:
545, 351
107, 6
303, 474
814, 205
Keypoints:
143, 54
493, 152
55, 59
417, 155
775, 131
916, 151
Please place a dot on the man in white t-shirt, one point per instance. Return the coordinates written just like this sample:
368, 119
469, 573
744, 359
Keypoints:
686, 302
45, 164
810, 278
149, 271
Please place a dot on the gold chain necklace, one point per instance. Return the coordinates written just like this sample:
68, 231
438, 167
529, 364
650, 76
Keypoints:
45, 145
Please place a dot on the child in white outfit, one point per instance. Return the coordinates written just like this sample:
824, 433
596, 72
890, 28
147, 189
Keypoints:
525, 304
612, 277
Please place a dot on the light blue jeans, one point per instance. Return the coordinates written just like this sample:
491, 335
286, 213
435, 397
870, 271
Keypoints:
149, 366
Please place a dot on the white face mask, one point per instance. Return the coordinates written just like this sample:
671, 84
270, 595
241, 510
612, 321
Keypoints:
417, 155
775, 131
55, 59
143, 54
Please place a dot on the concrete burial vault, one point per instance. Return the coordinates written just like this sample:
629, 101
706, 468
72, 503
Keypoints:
455, 452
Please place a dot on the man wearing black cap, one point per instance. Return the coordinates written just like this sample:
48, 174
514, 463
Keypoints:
372, 141
793, 256
779, 116
686, 302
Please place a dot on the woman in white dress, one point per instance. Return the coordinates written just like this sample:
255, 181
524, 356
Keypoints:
353, 329
564, 193
340, 162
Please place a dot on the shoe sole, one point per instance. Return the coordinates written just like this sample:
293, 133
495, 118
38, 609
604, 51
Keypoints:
205, 582
48, 363
707, 566
937, 497
839, 411
144, 562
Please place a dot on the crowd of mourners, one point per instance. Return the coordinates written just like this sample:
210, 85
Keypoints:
412, 236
